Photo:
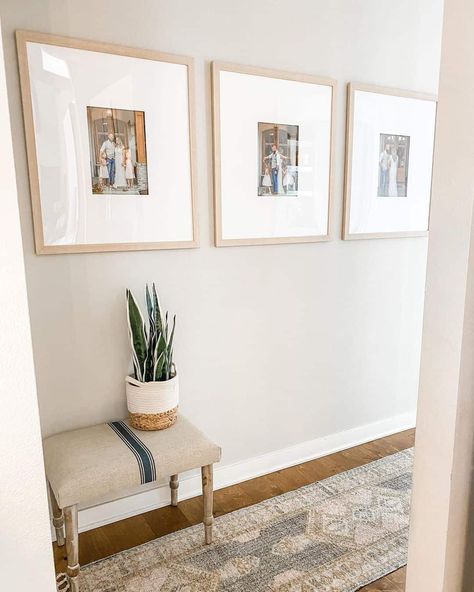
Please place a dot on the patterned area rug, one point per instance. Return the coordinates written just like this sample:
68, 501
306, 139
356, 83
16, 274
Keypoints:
336, 535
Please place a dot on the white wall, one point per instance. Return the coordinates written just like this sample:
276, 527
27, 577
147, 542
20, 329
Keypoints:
276, 345
26, 560
444, 441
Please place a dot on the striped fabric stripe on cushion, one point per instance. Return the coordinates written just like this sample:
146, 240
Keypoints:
145, 460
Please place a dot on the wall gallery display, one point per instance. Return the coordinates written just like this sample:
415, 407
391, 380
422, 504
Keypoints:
110, 135
273, 138
389, 158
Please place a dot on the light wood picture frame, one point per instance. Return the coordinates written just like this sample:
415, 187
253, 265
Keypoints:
422, 105
140, 62
325, 121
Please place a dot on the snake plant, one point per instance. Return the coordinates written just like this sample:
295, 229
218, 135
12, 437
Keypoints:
152, 345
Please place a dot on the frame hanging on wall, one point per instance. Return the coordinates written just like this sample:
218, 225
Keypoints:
389, 158
273, 152
110, 143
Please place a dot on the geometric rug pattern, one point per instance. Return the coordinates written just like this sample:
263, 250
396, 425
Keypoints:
336, 535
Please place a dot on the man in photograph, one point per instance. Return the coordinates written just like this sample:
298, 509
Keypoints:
384, 170
108, 149
275, 159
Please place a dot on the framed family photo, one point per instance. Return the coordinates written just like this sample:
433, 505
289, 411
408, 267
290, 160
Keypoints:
117, 153
389, 158
278, 159
110, 144
272, 155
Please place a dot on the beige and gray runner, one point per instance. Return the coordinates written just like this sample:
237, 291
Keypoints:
336, 535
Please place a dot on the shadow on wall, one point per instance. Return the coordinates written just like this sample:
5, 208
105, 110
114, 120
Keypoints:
468, 575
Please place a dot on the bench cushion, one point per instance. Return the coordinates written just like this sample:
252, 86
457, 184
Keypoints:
106, 461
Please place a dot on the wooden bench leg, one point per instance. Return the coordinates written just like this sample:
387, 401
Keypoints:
207, 493
174, 484
58, 519
72, 547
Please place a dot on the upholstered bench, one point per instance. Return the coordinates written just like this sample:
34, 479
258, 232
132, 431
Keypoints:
105, 462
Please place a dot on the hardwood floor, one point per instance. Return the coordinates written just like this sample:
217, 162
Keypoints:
113, 538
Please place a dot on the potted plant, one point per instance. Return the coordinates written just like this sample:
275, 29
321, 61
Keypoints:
153, 390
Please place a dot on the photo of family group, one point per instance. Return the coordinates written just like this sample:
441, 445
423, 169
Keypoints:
278, 159
393, 165
117, 147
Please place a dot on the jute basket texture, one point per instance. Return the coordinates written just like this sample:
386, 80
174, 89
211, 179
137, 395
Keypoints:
152, 405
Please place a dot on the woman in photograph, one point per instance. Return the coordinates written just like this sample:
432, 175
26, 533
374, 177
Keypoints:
392, 182
129, 173
120, 182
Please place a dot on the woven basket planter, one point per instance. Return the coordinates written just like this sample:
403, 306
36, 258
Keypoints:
152, 405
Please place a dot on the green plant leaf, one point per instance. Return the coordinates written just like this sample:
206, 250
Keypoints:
158, 370
152, 349
170, 340
151, 310
157, 311
137, 335
160, 344
151, 301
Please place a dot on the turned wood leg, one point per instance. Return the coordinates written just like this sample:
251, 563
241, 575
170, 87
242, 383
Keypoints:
174, 484
72, 546
207, 494
58, 519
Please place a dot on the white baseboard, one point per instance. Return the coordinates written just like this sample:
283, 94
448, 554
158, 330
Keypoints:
225, 475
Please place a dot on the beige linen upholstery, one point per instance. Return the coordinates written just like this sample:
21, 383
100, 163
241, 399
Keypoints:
90, 465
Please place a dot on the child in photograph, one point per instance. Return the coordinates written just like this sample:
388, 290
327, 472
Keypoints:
288, 180
103, 171
129, 173
267, 182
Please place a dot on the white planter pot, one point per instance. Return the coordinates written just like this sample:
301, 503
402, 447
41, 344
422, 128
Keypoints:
152, 405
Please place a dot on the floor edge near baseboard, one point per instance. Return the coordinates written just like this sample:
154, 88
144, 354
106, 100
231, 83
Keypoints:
226, 475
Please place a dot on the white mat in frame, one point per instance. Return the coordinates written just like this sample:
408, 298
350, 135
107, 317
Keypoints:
380, 118
61, 79
244, 98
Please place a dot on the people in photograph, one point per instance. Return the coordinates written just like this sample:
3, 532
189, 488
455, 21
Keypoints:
120, 181
267, 182
288, 180
108, 150
129, 172
384, 164
393, 170
103, 171
275, 159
